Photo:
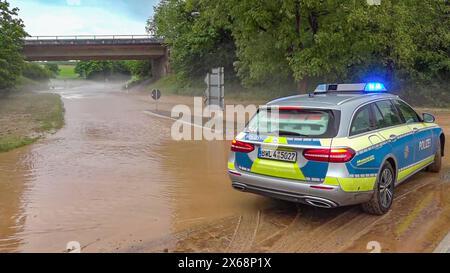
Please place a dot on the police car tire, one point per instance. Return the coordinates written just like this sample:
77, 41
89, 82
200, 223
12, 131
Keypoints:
374, 205
435, 167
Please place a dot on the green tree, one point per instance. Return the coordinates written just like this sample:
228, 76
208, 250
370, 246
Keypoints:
139, 69
53, 68
430, 32
104, 69
198, 42
11, 41
101, 69
402, 42
331, 40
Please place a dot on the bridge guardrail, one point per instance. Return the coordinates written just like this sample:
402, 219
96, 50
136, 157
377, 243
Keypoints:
89, 37
92, 39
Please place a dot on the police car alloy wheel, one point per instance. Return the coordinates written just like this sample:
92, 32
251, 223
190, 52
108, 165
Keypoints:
384, 193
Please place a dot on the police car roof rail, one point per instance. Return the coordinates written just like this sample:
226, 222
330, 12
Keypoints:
359, 98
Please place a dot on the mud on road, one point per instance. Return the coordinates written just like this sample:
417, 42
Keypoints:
113, 180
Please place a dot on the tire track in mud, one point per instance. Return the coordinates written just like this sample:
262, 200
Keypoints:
324, 237
307, 221
310, 230
367, 222
341, 230
295, 229
403, 215
245, 232
422, 215
280, 233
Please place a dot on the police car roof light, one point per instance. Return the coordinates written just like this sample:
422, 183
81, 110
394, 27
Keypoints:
375, 87
351, 87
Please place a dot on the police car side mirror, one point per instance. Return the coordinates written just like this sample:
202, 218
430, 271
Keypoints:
429, 118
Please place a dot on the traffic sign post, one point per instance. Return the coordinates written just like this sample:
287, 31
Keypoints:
215, 90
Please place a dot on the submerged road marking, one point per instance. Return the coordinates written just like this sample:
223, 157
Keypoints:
179, 120
444, 245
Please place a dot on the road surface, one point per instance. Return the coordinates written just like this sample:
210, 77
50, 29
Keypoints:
113, 180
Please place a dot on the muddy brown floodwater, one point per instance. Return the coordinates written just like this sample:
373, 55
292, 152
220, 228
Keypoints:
113, 180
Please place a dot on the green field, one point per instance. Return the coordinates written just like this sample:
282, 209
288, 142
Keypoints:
67, 71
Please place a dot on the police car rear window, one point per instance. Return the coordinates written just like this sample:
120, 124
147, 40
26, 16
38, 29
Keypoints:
295, 122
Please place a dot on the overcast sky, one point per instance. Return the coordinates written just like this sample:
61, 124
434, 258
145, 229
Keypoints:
84, 17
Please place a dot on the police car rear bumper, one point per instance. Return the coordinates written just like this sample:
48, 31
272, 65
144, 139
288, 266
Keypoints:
297, 191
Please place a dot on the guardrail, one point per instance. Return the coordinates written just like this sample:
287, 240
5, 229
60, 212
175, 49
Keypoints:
89, 37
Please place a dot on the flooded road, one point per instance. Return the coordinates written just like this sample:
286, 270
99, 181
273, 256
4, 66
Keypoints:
109, 179
113, 180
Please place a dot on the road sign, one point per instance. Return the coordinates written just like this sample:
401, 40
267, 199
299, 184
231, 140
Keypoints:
214, 93
156, 94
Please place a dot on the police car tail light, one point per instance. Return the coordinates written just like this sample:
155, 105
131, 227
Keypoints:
243, 147
341, 155
329, 155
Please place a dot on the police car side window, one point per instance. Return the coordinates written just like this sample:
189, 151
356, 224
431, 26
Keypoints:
389, 113
377, 115
407, 112
361, 121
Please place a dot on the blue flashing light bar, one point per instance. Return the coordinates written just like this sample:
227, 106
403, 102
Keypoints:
375, 87
351, 87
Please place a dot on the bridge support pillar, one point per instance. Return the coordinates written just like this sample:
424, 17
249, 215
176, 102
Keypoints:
160, 67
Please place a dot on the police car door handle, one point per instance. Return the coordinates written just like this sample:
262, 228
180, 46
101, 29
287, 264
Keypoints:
415, 130
392, 138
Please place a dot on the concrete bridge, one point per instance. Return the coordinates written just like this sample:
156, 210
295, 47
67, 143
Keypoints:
99, 47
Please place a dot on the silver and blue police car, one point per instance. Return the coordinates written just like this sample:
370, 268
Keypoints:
343, 144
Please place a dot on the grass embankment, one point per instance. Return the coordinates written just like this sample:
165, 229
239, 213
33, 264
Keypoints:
66, 72
25, 117
233, 91
27, 84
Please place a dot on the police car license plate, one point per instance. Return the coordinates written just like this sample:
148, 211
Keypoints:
278, 155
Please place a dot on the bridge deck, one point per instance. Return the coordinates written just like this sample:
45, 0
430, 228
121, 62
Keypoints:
104, 47
113, 47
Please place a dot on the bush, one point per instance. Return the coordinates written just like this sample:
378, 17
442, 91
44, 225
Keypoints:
101, 69
140, 69
104, 69
53, 68
36, 72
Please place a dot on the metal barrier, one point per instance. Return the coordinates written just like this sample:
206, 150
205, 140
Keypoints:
90, 37
93, 40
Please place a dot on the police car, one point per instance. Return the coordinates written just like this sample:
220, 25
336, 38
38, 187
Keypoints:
343, 144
